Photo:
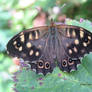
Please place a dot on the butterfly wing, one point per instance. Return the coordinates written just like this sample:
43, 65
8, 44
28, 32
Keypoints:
74, 43
32, 46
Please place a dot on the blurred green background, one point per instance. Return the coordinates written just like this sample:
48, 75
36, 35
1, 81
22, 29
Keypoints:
17, 15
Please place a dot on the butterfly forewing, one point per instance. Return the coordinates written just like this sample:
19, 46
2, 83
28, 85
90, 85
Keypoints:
24, 39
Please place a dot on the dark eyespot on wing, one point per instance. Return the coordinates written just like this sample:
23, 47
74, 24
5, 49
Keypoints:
68, 64
42, 66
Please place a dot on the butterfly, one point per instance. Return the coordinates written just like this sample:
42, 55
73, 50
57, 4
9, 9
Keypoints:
46, 47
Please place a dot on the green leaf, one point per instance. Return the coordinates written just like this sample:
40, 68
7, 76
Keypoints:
58, 81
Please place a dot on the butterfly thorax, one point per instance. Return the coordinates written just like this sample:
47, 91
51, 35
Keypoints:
52, 40
52, 29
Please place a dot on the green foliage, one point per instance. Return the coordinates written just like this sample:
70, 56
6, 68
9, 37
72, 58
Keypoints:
58, 81
85, 10
5, 77
17, 15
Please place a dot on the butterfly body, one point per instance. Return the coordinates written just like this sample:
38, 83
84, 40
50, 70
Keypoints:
41, 46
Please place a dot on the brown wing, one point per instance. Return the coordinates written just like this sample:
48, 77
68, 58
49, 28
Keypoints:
74, 42
31, 45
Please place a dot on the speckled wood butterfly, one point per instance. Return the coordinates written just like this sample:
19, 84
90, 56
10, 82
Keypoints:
47, 46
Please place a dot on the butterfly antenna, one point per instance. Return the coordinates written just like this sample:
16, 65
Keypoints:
52, 23
63, 6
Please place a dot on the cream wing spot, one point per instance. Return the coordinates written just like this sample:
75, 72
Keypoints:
30, 36
75, 49
73, 33
28, 44
70, 51
15, 42
37, 53
22, 38
89, 37
20, 48
84, 44
68, 33
81, 34
36, 35
76, 41
31, 52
